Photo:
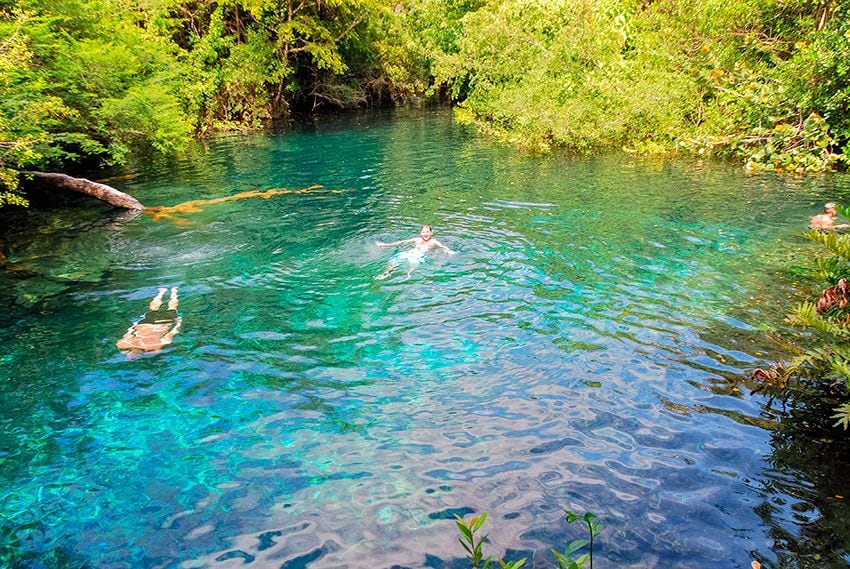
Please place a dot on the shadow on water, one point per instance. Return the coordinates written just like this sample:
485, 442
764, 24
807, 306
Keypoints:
804, 493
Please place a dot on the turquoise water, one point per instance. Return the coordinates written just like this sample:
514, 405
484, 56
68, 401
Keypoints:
584, 349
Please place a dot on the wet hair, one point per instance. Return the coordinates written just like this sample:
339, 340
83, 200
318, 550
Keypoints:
428, 226
830, 205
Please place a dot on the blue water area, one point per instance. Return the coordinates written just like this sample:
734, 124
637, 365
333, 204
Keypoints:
586, 348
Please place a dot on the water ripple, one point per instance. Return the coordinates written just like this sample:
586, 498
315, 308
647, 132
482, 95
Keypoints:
573, 354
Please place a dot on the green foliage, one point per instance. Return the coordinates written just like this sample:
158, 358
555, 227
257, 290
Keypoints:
106, 79
473, 545
806, 314
830, 269
230, 91
468, 541
838, 244
826, 362
562, 74
566, 559
752, 96
842, 416
26, 107
765, 81
76, 85
768, 82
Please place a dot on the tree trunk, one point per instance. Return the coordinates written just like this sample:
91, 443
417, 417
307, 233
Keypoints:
93, 189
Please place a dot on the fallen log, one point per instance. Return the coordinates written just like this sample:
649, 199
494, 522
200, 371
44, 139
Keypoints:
102, 192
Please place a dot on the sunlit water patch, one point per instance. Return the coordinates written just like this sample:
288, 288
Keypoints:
584, 349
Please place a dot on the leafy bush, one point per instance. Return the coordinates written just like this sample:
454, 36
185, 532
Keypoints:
763, 81
102, 79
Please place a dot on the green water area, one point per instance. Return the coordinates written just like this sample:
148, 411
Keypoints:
588, 347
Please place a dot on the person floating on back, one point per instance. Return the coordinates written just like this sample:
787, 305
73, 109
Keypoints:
156, 330
421, 245
826, 221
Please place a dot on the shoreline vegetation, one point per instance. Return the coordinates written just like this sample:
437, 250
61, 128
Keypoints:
819, 372
92, 82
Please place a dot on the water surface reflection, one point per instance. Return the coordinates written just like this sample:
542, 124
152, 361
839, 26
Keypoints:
584, 350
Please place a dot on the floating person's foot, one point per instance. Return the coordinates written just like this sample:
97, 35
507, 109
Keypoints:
173, 301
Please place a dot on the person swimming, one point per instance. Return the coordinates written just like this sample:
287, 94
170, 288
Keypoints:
156, 330
414, 256
826, 221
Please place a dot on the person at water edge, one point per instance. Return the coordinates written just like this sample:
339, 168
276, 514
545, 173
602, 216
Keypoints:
156, 330
421, 245
826, 221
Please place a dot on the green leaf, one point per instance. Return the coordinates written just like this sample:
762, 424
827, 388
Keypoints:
842, 415
563, 562
478, 522
480, 545
574, 546
464, 529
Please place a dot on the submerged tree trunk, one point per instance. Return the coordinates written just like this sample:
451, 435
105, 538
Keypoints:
93, 189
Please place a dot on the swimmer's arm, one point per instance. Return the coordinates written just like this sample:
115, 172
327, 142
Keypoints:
444, 248
842, 226
394, 243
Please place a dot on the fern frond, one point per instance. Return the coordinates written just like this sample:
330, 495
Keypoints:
830, 269
838, 244
806, 314
841, 368
826, 362
842, 416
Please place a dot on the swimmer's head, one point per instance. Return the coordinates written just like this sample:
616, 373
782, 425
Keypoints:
829, 208
425, 232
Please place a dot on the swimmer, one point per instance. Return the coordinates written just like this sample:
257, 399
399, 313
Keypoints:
421, 245
156, 330
826, 220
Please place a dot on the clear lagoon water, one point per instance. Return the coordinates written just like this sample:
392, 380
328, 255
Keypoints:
587, 348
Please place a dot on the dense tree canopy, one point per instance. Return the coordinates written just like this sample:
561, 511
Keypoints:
767, 80
764, 80
102, 78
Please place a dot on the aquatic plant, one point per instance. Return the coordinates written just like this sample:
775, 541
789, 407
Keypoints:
565, 559
473, 544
